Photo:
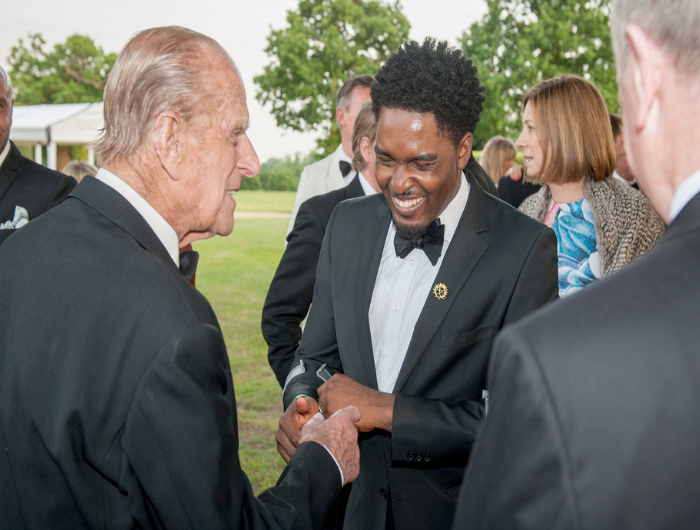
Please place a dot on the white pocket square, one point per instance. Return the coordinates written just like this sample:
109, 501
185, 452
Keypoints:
20, 219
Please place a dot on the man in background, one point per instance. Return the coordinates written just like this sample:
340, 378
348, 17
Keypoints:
290, 293
594, 414
334, 171
118, 407
27, 189
622, 171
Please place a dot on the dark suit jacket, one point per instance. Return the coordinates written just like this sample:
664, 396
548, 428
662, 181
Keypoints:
481, 176
514, 192
594, 415
289, 296
499, 266
118, 406
30, 185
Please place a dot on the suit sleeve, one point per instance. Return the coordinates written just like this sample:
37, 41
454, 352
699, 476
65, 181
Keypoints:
319, 343
303, 193
538, 282
289, 297
447, 431
519, 475
179, 450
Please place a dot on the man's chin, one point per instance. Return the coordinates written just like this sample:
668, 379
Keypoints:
410, 231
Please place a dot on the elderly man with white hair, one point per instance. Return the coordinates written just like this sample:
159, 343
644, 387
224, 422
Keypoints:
594, 417
118, 407
27, 189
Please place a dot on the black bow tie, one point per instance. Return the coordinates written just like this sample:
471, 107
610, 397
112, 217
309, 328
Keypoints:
188, 264
431, 242
345, 167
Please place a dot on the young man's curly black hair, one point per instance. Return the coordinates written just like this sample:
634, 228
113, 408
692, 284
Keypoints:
432, 77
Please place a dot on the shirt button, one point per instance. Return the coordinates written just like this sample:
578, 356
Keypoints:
411, 261
385, 357
396, 309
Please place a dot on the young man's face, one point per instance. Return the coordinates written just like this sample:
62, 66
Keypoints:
417, 168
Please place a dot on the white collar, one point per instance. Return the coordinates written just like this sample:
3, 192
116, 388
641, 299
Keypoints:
369, 190
688, 189
3, 155
339, 155
158, 224
619, 177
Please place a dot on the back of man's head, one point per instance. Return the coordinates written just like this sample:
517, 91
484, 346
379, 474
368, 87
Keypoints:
158, 69
671, 23
345, 93
431, 78
616, 124
6, 83
365, 127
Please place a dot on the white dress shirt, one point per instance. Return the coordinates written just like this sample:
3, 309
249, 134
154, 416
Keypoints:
400, 292
3, 154
685, 192
619, 177
160, 226
369, 190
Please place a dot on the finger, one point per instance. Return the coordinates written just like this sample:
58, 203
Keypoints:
284, 448
283, 453
352, 412
303, 405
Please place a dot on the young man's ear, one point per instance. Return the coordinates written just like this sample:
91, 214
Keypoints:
167, 136
464, 150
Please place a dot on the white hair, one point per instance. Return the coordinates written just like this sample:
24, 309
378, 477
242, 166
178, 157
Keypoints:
6, 83
673, 24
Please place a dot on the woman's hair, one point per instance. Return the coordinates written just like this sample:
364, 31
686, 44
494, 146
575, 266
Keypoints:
79, 169
573, 127
497, 151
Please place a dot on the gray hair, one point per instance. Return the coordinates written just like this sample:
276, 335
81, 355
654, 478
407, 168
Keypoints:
345, 92
159, 69
671, 23
6, 83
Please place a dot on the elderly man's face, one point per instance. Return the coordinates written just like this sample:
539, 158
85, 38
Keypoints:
219, 154
5, 116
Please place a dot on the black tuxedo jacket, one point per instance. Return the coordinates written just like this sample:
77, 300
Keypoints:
478, 173
594, 414
118, 406
499, 267
30, 185
292, 288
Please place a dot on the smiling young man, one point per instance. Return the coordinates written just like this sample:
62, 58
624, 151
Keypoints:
412, 286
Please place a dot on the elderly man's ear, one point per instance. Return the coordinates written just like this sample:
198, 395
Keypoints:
169, 143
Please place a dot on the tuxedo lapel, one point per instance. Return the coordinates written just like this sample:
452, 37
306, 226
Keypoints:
354, 189
110, 204
367, 277
8, 172
463, 254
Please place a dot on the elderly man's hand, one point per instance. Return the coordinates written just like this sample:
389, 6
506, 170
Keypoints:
376, 408
338, 434
294, 418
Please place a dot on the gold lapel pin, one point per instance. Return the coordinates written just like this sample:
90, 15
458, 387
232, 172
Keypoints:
440, 291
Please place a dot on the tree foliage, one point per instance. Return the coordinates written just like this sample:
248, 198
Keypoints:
325, 43
519, 43
71, 72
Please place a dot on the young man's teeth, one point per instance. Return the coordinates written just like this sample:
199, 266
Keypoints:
409, 203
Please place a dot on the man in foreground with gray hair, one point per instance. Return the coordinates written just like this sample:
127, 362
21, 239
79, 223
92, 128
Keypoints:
594, 417
27, 189
118, 406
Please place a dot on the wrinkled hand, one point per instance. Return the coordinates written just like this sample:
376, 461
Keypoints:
376, 408
338, 434
294, 418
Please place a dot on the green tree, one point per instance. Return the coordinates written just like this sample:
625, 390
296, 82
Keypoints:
519, 43
279, 174
71, 72
325, 43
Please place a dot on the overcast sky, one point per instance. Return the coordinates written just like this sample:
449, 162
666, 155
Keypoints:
241, 27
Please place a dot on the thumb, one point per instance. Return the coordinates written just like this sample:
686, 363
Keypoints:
303, 405
352, 412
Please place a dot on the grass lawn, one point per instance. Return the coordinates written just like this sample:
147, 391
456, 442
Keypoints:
234, 274
265, 201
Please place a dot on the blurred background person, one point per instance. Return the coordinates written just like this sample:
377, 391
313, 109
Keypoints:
498, 160
78, 169
600, 223
622, 172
